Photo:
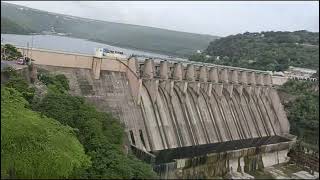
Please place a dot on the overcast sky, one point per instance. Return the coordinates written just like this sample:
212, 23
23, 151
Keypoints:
215, 18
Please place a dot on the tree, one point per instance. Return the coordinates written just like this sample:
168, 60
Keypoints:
302, 109
17, 82
75, 120
274, 51
34, 146
11, 52
100, 133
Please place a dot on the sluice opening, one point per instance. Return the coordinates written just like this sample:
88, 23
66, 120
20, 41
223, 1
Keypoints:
132, 138
142, 139
219, 159
169, 155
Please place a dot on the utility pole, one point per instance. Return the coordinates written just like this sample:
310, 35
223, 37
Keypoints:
31, 48
27, 49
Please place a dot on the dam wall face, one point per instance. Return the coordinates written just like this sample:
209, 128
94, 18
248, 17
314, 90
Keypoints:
186, 115
187, 105
111, 93
180, 105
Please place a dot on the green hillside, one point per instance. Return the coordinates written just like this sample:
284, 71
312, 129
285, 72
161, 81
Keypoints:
123, 35
46, 133
8, 26
301, 102
265, 51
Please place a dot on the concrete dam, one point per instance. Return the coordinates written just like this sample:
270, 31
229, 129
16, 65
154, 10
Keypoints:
187, 119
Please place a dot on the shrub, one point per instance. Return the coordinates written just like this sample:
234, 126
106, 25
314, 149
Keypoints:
34, 146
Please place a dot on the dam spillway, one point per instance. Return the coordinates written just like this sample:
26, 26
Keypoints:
185, 105
193, 120
192, 113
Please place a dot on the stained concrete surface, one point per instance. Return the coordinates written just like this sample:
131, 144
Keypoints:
285, 171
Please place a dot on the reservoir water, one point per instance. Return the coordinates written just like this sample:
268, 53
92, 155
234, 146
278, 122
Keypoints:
82, 46
68, 44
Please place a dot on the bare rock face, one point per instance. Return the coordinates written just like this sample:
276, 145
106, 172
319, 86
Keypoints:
40, 89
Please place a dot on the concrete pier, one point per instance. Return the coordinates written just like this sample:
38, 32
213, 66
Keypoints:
167, 105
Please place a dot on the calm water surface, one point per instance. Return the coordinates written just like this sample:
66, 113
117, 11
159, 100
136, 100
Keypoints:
67, 44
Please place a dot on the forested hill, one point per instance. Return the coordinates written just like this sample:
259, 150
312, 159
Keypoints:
8, 26
265, 51
301, 102
124, 35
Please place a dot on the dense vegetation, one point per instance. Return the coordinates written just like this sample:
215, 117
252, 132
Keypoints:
301, 101
100, 134
274, 51
123, 35
10, 27
32, 145
9, 52
17, 82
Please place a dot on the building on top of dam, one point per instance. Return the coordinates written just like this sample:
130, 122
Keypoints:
190, 120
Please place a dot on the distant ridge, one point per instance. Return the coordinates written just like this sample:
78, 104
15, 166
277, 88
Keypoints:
145, 38
268, 51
